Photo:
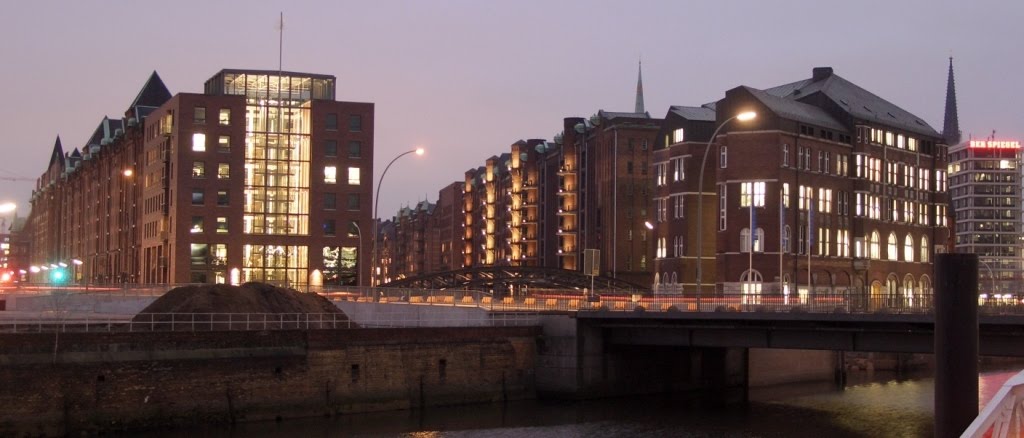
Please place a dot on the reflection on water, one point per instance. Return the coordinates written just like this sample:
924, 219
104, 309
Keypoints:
870, 406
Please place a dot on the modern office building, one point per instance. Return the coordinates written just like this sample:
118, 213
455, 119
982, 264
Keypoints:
830, 188
243, 182
985, 186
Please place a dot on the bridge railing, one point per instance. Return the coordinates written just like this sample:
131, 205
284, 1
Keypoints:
1003, 416
572, 300
196, 322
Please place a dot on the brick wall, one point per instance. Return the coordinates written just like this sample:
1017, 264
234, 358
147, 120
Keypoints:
118, 381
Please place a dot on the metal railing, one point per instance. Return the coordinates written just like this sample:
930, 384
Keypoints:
572, 301
195, 322
1003, 416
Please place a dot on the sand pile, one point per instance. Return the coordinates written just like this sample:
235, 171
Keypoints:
251, 298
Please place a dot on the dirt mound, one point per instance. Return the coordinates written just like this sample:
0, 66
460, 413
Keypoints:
247, 298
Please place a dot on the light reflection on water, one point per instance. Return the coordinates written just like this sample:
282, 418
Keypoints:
870, 406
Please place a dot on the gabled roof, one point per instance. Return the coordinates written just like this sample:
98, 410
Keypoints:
153, 94
104, 130
696, 113
856, 101
795, 110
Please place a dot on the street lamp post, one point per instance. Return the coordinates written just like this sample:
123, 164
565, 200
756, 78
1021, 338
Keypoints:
743, 117
359, 266
654, 238
376, 198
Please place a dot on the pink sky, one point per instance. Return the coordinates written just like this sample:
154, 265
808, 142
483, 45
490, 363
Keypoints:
465, 79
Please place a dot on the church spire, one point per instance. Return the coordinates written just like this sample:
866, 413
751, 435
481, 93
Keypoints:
639, 88
951, 125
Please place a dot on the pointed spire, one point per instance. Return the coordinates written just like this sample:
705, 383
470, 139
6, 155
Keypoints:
639, 88
57, 157
153, 94
951, 125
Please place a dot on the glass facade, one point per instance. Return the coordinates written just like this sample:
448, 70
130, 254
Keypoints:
276, 188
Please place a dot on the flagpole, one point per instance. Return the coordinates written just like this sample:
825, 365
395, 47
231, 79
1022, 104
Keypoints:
750, 255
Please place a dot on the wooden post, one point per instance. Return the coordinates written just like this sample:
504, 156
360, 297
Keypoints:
956, 343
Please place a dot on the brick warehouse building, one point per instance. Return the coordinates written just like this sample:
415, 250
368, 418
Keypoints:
543, 203
848, 193
245, 181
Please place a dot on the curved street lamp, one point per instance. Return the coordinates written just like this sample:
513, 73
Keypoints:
743, 117
376, 199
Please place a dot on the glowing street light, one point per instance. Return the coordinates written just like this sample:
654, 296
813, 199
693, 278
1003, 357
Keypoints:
376, 200
8, 207
743, 117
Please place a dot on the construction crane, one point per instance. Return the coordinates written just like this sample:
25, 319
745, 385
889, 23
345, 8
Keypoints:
15, 178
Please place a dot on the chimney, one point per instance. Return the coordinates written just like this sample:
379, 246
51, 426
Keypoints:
821, 73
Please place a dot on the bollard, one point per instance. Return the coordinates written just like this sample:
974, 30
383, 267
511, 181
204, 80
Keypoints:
956, 343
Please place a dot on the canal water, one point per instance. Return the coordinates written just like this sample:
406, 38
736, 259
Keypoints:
870, 405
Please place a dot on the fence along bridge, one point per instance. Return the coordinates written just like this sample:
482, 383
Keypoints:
501, 278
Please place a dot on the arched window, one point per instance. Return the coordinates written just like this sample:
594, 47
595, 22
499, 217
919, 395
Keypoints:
873, 244
678, 246
787, 236
908, 285
657, 278
675, 279
759, 240
892, 253
925, 251
908, 248
925, 285
751, 284
745, 240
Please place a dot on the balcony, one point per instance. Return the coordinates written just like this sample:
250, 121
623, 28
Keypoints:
564, 212
563, 232
566, 170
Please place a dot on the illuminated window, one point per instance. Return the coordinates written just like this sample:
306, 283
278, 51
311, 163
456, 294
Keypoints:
925, 250
224, 118
824, 200
222, 225
677, 135
224, 143
198, 169
873, 245
199, 142
353, 176
199, 115
197, 225
678, 169
223, 170
752, 192
785, 195
330, 174
892, 253
908, 249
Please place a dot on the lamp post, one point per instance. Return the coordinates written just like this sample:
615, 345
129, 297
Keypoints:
743, 117
654, 238
376, 198
359, 266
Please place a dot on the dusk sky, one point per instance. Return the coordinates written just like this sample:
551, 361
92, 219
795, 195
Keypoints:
465, 79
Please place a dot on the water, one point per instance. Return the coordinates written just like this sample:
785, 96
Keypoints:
876, 405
